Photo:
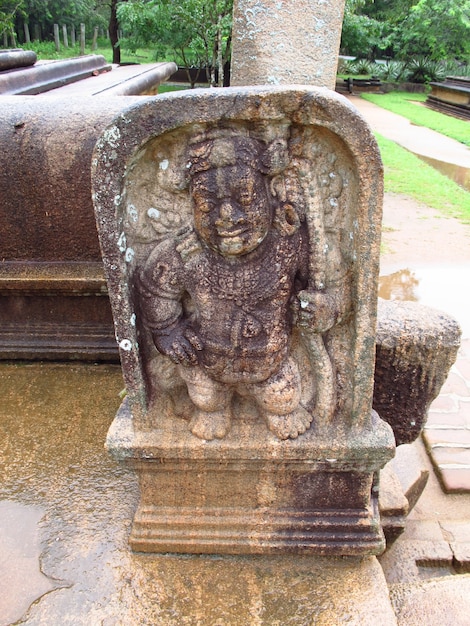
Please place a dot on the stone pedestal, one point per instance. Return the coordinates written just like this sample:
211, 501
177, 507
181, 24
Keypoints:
251, 493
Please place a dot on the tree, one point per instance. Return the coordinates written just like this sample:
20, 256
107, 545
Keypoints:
45, 13
439, 29
197, 33
113, 30
8, 12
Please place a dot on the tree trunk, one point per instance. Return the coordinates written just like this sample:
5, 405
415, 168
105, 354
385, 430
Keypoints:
220, 62
94, 44
114, 32
56, 37
82, 39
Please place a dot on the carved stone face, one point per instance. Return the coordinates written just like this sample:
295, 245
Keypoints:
232, 209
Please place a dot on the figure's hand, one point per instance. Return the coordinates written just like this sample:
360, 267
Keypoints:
181, 344
317, 310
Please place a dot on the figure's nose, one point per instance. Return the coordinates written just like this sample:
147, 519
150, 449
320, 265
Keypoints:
230, 213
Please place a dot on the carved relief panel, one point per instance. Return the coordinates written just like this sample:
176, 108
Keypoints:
240, 235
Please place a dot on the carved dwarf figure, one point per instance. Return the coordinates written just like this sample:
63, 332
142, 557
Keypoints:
221, 297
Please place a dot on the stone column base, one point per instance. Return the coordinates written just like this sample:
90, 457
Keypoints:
251, 493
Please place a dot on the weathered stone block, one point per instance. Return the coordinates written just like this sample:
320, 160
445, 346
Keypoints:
240, 237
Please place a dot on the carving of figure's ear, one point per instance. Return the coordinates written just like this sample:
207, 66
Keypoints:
277, 188
275, 158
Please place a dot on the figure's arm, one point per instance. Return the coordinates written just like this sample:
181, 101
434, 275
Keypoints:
320, 306
321, 310
161, 292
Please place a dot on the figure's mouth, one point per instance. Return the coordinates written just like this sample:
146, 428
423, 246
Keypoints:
228, 234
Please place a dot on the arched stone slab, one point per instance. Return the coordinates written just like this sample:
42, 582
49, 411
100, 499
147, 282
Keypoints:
315, 160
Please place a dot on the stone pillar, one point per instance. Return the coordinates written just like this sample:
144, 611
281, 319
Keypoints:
280, 43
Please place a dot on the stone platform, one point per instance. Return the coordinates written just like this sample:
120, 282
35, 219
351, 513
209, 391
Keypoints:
65, 511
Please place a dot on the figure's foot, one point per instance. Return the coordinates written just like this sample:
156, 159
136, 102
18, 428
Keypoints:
289, 426
210, 426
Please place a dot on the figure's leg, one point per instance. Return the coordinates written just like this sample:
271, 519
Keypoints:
279, 401
212, 400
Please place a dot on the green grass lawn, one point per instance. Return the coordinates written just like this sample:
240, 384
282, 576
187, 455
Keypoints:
405, 104
406, 174
45, 50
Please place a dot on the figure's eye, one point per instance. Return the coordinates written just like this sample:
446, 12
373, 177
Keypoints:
203, 203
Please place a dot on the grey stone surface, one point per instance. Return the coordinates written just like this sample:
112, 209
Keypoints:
440, 602
78, 504
416, 347
410, 472
282, 43
46, 76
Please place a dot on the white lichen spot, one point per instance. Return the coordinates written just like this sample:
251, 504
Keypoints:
133, 318
356, 224
117, 199
351, 236
332, 460
321, 285
111, 136
326, 247
333, 202
122, 244
332, 175
163, 165
303, 304
126, 345
153, 213
114, 267
132, 213
129, 255
273, 80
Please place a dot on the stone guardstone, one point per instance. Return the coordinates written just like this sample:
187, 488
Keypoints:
240, 234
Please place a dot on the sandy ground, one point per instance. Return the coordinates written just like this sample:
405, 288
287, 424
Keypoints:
415, 233
425, 258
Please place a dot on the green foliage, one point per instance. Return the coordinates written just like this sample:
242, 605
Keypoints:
414, 70
424, 70
405, 104
43, 14
392, 71
195, 33
362, 36
406, 174
8, 11
438, 29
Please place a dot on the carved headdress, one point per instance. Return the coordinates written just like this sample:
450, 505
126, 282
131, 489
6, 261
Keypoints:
225, 147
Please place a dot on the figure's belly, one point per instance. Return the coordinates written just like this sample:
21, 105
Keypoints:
232, 366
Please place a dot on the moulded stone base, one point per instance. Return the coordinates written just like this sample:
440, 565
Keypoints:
251, 493
242, 530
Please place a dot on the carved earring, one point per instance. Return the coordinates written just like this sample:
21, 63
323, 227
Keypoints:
286, 219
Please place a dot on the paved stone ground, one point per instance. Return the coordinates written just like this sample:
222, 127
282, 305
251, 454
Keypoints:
447, 432
426, 257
